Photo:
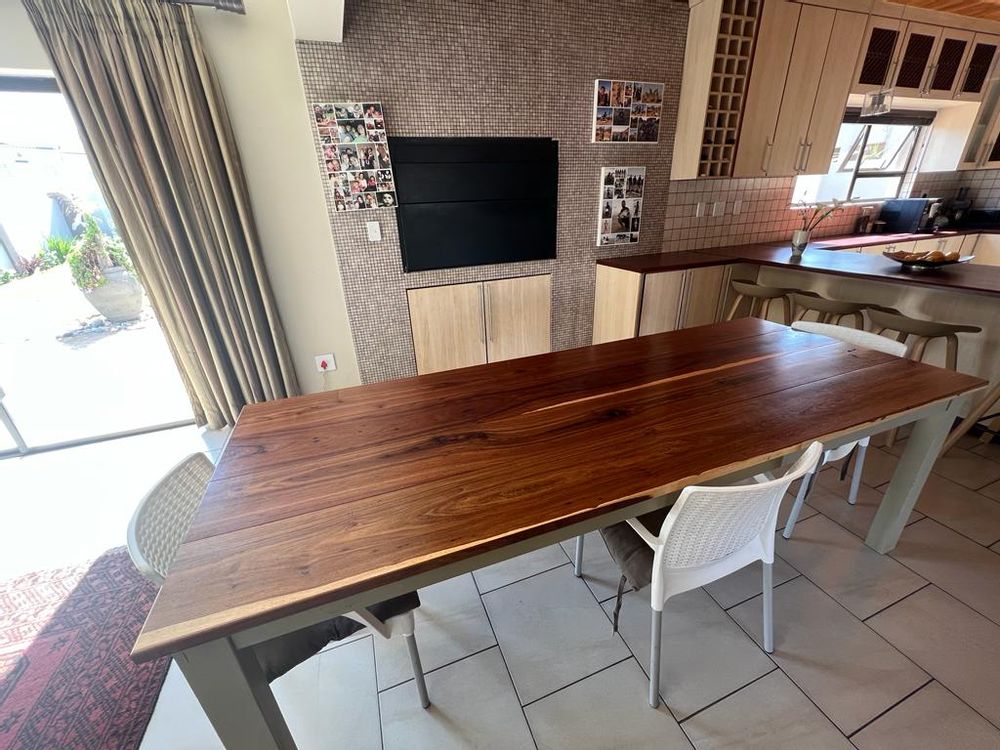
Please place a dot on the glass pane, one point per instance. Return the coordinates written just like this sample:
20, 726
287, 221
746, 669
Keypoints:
878, 57
873, 188
888, 148
817, 188
848, 148
914, 62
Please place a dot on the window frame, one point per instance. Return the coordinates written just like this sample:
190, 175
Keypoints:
880, 173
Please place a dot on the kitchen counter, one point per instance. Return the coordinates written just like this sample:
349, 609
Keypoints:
821, 257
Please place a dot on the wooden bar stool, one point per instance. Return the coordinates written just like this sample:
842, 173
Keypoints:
827, 310
924, 331
761, 298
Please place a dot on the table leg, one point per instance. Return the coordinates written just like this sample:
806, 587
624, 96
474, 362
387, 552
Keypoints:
904, 489
231, 689
992, 396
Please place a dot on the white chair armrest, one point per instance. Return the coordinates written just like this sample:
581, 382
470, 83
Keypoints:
643, 532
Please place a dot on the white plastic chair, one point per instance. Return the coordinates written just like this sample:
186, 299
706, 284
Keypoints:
709, 533
868, 341
161, 521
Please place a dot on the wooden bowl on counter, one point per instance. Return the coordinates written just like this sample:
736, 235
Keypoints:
927, 260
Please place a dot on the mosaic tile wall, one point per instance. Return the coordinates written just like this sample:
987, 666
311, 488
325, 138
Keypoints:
983, 184
486, 68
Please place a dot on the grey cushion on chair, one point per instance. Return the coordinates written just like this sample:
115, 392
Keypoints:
281, 654
632, 555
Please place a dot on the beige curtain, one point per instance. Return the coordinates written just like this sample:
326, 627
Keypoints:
155, 127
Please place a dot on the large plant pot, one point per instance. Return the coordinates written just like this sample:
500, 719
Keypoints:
119, 298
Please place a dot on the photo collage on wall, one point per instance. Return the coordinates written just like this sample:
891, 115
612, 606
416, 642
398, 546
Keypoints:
620, 212
356, 154
627, 111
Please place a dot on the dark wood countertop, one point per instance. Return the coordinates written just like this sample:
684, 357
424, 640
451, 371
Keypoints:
965, 277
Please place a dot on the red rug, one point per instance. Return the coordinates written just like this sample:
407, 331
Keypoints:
66, 679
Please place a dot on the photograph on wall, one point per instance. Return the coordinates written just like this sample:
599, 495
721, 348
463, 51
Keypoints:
620, 207
627, 111
356, 155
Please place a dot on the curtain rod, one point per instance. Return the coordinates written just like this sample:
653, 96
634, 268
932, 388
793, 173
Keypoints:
233, 6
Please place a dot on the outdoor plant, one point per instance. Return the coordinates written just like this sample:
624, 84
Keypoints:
55, 250
93, 253
6, 276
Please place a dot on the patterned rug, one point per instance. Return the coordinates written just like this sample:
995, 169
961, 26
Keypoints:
66, 679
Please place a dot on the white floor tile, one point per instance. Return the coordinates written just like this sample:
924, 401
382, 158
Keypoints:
770, 714
473, 705
552, 632
450, 624
518, 568
606, 710
704, 653
747, 582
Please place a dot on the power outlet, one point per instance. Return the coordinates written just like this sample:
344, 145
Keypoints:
325, 363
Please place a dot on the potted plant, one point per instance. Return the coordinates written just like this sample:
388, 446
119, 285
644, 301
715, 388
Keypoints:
102, 270
811, 215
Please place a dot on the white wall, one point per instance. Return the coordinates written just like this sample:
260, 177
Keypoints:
20, 49
258, 71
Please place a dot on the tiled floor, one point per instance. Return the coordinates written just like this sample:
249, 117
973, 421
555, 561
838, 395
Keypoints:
898, 651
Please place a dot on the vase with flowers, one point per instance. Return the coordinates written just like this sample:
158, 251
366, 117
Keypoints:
811, 215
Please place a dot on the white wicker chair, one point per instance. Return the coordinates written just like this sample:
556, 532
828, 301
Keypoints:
709, 533
868, 341
161, 521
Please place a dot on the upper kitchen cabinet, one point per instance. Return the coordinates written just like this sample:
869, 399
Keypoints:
717, 57
924, 60
797, 95
982, 148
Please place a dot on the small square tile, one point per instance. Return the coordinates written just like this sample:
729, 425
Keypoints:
450, 624
966, 570
960, 647
831, 656
517, 568
770, 714
473, 704
931, 717
837, 561
552, 632
608, 709
705, 655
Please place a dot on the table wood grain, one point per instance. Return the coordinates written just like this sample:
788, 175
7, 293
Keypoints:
321, 497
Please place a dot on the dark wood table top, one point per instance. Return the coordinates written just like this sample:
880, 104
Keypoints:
963, 277
326, 496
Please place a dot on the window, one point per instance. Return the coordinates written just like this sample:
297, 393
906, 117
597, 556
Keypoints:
869, 160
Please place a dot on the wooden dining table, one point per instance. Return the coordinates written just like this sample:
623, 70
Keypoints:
326, 503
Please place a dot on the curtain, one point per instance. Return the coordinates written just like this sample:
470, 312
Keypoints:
156, 130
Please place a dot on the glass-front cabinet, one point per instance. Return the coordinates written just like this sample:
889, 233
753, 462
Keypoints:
982, 149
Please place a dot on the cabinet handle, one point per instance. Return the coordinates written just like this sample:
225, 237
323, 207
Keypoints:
986, 152
926, 88
806, 155
488, 323
765, 162
798, 155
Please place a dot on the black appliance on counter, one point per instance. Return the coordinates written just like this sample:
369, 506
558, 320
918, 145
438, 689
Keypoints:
903, 215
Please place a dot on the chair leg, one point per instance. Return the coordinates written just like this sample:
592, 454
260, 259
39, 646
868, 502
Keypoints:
418, 670
786, 309
859, 465
736, 306
805, 484
578, 557
859, 320
768, 608
654, 658
951, 356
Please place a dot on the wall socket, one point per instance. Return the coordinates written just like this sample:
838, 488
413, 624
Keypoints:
325, 363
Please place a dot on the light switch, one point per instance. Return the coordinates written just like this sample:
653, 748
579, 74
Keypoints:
374, 230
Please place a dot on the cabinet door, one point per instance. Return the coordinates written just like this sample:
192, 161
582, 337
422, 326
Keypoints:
702, 296
517, 317
916, 51
831, 96
767, 82
979, 143
968, 246
875, 64
987, 250
978, 66
952, 56
448, 327
801, 89
661, 302
617, 296
991, 154
906, 247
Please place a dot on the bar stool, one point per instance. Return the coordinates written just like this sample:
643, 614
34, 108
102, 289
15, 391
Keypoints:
827, 310
761, 298
925, 331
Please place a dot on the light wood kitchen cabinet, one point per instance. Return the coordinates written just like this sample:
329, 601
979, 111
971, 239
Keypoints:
978, 66
913, 60
950, 60
629, 303
982, 148
796, 100
875, 66
517, 317
460, 325
986, 250
943, 244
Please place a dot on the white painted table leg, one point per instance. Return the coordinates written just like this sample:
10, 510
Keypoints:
232, 690
907, 482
